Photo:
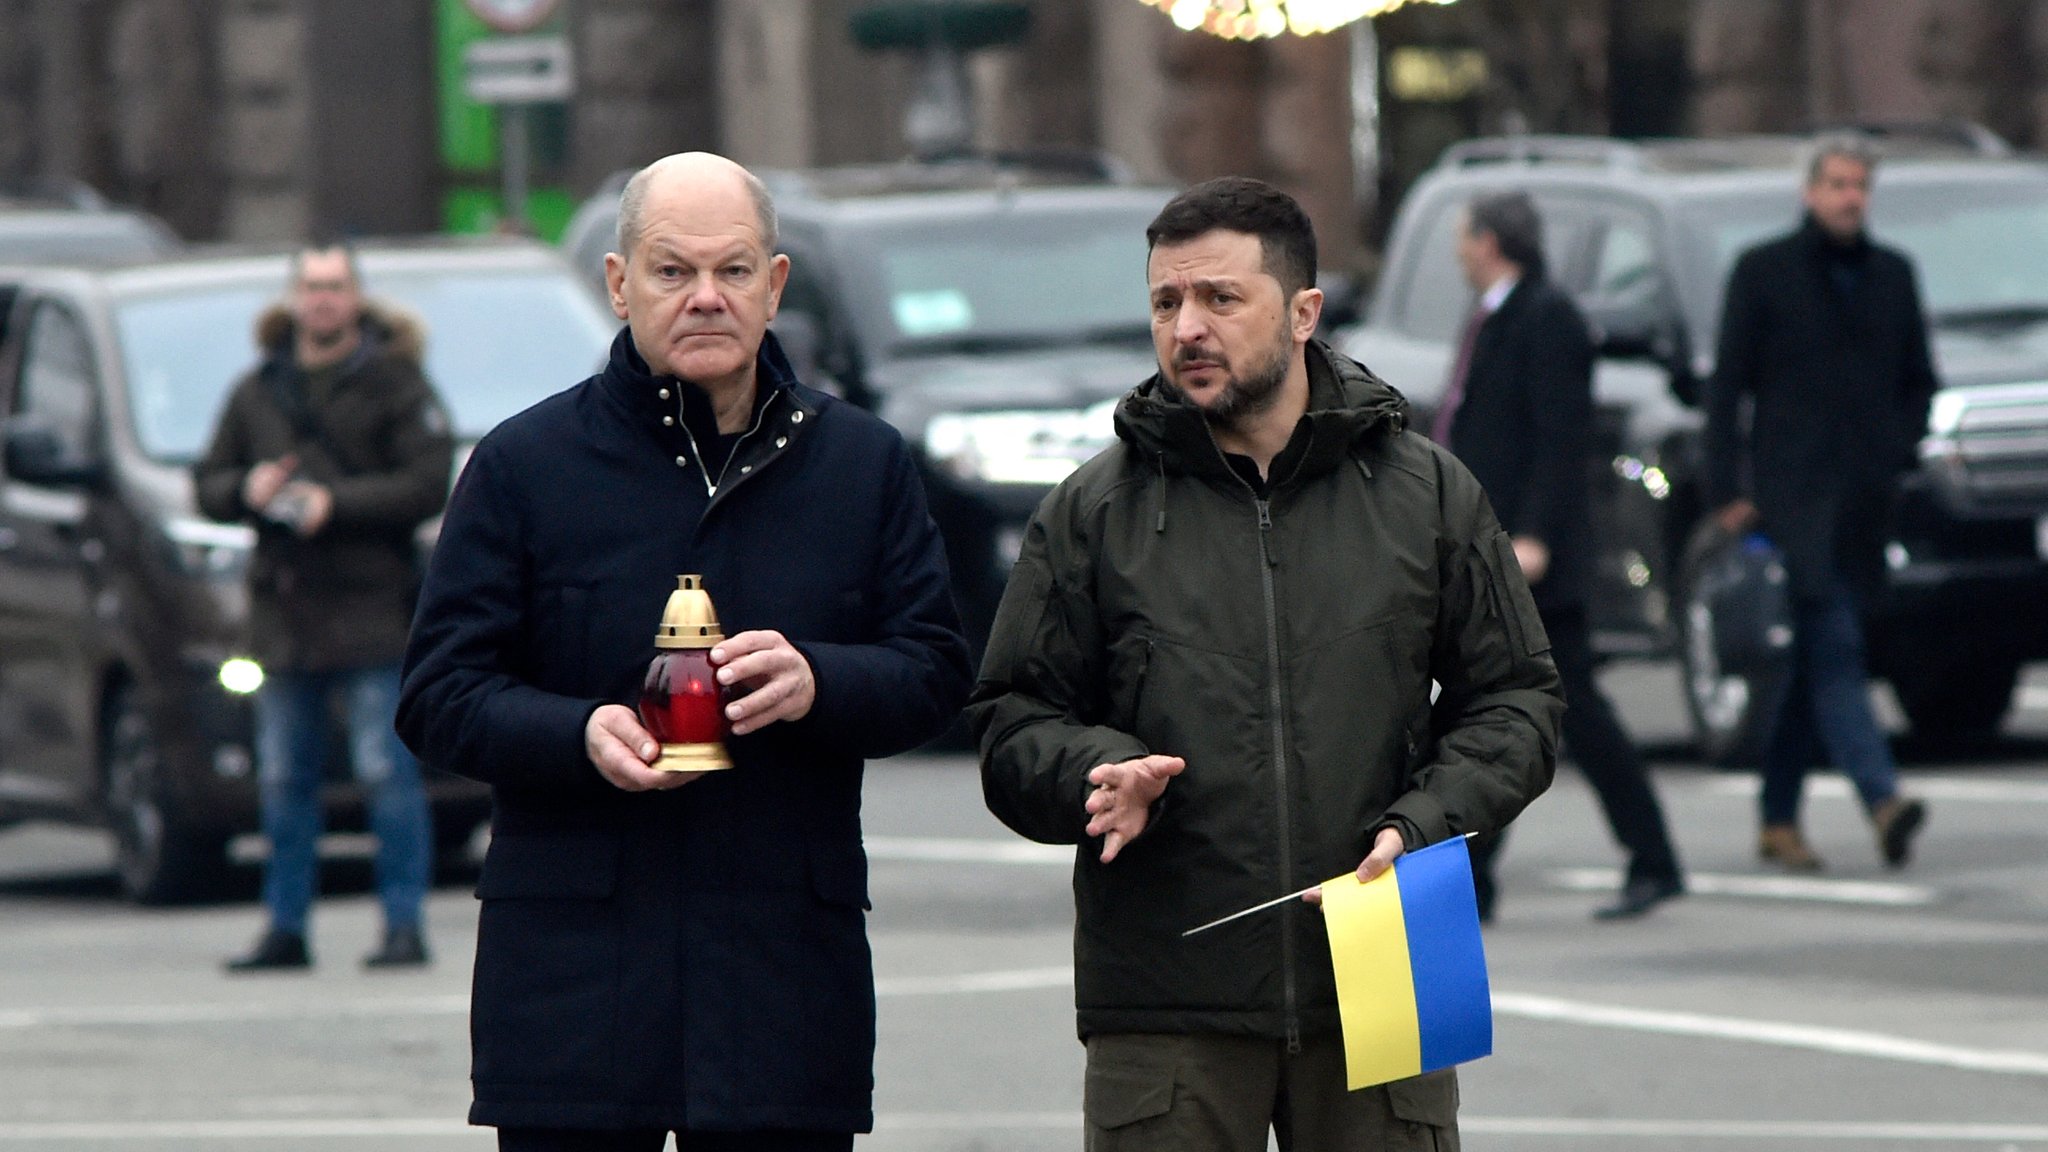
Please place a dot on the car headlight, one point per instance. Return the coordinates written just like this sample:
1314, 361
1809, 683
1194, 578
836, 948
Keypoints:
206, 548
241, 675
1022, 447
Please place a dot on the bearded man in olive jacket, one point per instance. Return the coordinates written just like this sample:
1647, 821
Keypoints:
337, 450
1212, 670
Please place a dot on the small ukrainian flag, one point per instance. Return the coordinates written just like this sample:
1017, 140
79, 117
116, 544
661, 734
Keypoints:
1411, 973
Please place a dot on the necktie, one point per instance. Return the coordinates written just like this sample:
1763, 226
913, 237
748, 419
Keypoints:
1454, 392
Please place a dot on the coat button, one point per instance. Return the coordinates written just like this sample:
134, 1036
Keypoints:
746, 468
681, 461
664, 393
667, 420
796, 418
782, 441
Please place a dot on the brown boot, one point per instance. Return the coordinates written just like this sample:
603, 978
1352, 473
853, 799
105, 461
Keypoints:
1897, 821
1783, 844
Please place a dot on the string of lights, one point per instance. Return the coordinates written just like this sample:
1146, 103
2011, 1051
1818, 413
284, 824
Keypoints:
1259, 19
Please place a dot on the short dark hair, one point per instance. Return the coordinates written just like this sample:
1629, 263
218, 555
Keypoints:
328, 244
1511, 219
1287, 241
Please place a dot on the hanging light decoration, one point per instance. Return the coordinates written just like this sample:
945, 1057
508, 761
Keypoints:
1258, 19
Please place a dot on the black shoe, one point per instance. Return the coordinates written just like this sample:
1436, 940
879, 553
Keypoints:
1638, 897
1898, 820
402, 948
276, 950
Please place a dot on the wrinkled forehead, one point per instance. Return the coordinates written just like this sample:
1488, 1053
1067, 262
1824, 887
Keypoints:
324, 266
706, 211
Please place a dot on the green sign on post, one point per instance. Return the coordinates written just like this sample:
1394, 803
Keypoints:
474, 135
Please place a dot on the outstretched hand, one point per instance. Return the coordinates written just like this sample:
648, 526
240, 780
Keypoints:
1121, 803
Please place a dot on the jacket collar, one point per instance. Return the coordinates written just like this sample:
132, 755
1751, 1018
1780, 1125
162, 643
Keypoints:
1347, 406
1819, 243
628, 380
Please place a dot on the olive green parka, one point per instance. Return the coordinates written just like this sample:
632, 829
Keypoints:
1286, 648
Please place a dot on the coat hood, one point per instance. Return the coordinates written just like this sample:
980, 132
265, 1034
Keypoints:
389, 327
1347, 406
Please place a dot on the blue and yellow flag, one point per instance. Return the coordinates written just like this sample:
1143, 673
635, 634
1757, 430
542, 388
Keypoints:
1411, 974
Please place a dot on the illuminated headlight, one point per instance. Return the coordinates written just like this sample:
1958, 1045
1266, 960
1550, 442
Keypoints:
1028, 447
241, 675
205, 548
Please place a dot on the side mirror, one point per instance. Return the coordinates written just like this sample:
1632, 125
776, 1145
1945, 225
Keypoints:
38, 452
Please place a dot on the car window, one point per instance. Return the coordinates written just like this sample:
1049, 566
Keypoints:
56, 383
1055, 276
1435, 299
1625, 268
496, 342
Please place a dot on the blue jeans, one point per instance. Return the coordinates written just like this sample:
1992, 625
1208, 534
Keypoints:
291, 751
1825, 711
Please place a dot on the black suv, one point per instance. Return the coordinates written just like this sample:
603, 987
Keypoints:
1643, 234
992, 308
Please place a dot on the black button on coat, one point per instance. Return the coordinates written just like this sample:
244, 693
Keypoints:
694, 958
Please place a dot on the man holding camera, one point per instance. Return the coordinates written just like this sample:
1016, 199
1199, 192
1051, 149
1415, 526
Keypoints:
336, 449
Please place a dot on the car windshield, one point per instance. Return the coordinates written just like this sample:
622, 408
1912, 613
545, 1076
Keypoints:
1981, 248
1005, 280
497, 342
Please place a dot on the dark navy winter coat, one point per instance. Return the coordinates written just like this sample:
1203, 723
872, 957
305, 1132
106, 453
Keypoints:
694, 958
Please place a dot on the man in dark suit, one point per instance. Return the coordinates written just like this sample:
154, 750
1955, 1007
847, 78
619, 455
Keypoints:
1822, 337
1516, 412
681, 951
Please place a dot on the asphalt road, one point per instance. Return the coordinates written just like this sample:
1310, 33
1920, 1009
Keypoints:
1863, 1009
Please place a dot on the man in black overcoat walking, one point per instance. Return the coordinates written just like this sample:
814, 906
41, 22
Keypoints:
1517, 412
1823, 341
681, 952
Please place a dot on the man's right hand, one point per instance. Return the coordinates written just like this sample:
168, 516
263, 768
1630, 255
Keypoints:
266, 480
1121, 803
621, 750
1736, 517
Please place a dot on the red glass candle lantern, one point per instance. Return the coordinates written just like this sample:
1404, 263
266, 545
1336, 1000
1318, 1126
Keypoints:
681, 702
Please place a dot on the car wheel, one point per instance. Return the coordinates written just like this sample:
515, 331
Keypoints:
1731, 711
160, 857
1956, 703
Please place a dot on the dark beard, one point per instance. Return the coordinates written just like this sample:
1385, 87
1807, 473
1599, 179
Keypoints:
1247, 396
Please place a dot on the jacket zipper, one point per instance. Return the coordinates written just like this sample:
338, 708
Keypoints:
1277, 702
713, 487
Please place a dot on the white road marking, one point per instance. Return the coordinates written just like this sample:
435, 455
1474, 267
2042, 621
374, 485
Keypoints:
1870, 892
1015, 980
1567, 1127
1841, 1041
936, 850
1940, 788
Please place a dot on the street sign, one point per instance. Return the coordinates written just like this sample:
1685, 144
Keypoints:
519, 70
513, 16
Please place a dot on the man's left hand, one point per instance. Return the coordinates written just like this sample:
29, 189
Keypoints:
1386, 848
777, 679
1534, 557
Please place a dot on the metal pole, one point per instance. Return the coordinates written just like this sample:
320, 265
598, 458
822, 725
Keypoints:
514, 159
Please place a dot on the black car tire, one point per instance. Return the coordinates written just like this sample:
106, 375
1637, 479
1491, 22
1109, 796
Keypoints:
1731, 711
1958, 702
160, 857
